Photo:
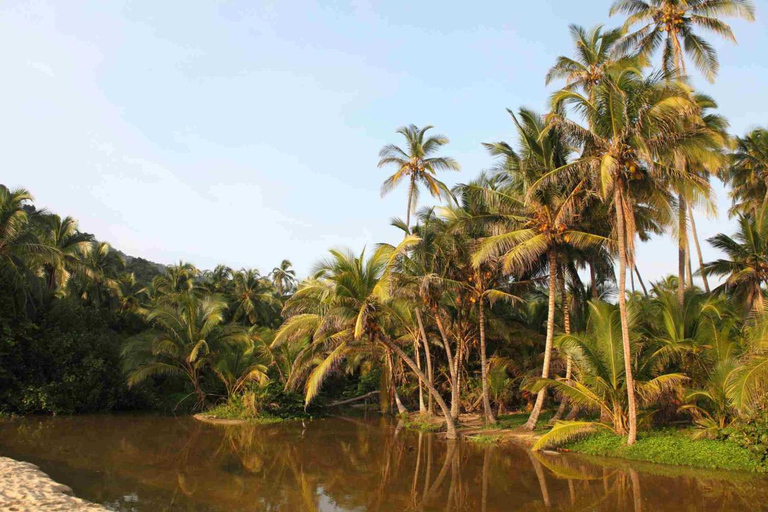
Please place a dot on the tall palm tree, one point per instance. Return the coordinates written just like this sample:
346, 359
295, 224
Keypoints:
672, 25
417, 164
347, 308
283, 278
102, 267
186, 335
538, 223
746, 264
632, 123
594, 54
748, 172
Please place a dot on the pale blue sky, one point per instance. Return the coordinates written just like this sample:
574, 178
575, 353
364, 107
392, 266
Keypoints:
245, 132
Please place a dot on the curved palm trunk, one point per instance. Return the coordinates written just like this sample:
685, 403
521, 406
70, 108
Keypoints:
533, 419
489, 417
640, 280
400, 407
449, 423
621, 228
428, 357
698, 248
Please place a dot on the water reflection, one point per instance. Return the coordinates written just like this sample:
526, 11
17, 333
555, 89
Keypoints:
146, 463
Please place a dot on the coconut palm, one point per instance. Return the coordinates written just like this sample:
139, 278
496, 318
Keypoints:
131, 294
177, 280
601, 381
745, 267
417, 164
347, 309
538, 223
103, 266
69, 246
20, 249
237, 365
594, 54
283, 278
632, 125
187, 334
748, 172
673, 25
253, 297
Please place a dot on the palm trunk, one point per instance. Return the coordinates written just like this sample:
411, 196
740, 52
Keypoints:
410, 195
593, 277
533, 419
698, 248
398, 403
449, 423
422, 408
456, 390
640, 280
682, 251
489, 417
569, 362
451, 367
428, 357
621, 227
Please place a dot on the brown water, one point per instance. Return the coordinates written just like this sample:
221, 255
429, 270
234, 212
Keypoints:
152, 463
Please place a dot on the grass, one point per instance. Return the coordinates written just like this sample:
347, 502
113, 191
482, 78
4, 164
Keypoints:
670, 447
234, 411
484, 438
518, 419
420, 423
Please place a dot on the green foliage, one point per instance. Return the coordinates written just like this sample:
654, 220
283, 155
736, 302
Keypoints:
751, 434
671, 447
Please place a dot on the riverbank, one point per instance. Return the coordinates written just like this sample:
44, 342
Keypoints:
669, 447
24, 488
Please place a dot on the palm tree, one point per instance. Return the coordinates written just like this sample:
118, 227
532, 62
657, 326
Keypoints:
746, 264
177, 280
539, 223
19, 247
103, 266
186, 336
238, 365
283, 278
632, 123
672, 24
748, 172
130, 294
594, 55
417, 164
70, 247
601, 383
347, 309
253, 297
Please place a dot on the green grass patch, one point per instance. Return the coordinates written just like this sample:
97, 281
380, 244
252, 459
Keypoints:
670, 447
518, 419
484, 438
233, 410
420, 423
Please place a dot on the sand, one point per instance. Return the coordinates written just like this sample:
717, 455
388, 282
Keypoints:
24, 488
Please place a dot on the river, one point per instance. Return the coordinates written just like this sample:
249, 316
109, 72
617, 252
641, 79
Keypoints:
159, 463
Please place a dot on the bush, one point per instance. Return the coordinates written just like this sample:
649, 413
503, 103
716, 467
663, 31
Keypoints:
751, 433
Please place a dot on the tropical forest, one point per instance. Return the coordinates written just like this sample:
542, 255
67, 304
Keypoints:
511, 314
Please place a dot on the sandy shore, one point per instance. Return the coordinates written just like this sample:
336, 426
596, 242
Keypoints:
24, 488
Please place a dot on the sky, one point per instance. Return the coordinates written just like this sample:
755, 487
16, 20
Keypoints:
246, 132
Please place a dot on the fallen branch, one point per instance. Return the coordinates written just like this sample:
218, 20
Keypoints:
352, 400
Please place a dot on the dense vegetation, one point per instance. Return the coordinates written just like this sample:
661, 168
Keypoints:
510, 295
